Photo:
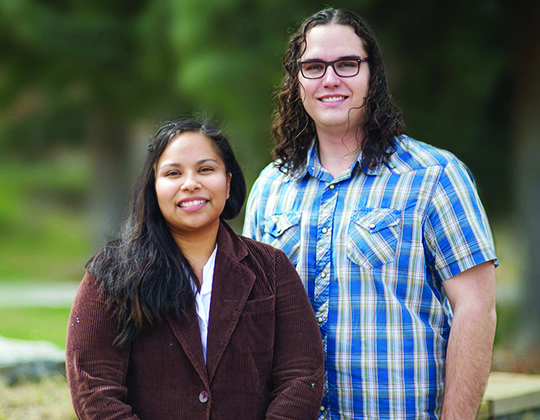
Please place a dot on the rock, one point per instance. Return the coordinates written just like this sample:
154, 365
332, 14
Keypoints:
23, 360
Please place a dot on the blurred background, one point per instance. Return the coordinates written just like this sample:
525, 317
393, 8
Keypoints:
84, 84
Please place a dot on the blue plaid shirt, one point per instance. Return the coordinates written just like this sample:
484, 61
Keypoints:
373, 248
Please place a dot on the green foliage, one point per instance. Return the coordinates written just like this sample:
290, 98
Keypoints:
70, 63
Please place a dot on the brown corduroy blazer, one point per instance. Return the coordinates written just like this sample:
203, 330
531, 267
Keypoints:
264, 352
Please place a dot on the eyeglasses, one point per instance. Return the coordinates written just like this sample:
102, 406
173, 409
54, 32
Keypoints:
315, 69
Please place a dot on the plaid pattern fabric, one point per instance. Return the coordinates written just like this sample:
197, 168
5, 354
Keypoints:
373, 248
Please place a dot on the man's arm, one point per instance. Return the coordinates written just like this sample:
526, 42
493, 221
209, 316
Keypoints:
468, 358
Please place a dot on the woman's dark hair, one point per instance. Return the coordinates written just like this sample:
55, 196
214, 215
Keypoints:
294, 129
143, 273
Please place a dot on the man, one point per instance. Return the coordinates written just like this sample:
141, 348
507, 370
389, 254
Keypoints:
388, 235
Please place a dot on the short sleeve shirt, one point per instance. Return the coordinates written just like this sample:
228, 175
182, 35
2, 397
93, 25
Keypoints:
373, 248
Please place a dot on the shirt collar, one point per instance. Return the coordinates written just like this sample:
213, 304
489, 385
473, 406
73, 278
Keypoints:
208, 273
315, 169
313, 164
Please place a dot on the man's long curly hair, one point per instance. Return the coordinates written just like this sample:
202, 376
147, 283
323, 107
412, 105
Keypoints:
294, 129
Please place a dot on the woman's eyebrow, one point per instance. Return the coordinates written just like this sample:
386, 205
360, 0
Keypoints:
176, 164
207, 160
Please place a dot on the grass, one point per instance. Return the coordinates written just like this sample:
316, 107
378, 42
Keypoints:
46, 400
45, 233
48, 324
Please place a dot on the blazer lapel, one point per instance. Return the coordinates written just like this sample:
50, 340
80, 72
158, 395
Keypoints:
231, 287
188, 334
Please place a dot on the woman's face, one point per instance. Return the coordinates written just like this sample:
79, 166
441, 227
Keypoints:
192, 185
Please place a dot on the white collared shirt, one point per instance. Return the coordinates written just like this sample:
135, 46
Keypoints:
204, 297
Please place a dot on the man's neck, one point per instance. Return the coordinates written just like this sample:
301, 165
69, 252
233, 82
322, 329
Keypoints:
337, 152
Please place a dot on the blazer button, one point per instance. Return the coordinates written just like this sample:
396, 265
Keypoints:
203, 397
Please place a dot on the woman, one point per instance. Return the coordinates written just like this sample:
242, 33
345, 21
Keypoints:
180, 318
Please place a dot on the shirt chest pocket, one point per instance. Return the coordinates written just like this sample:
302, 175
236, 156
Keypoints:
373, 236
283, 231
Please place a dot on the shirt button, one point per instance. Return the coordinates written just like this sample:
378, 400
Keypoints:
322, 408
323, 275
372, 226
203, 397
331, 186
320, 319
324, 230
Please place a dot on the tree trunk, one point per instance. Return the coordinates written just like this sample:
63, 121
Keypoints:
110, 151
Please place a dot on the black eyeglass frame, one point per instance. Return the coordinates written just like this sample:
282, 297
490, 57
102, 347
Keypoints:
331, 63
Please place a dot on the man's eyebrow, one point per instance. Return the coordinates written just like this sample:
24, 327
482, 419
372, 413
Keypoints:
350, 57
345, 57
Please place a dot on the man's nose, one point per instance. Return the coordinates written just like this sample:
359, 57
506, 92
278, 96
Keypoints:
330, 78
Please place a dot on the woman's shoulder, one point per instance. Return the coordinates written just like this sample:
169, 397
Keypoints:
260, 247
89, 293
241, 246
266, 255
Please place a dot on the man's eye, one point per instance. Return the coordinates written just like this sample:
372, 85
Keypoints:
346, 64
313, 67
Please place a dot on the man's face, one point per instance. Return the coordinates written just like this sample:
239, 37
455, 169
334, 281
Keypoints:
334, 102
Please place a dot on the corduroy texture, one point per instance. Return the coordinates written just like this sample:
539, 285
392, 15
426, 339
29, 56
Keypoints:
264, 356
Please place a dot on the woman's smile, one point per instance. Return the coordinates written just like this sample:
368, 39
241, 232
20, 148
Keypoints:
192, 204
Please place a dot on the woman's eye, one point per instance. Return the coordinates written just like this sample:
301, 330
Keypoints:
207, 169
172, 173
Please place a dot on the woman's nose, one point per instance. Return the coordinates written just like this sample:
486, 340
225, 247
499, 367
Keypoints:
191, 183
